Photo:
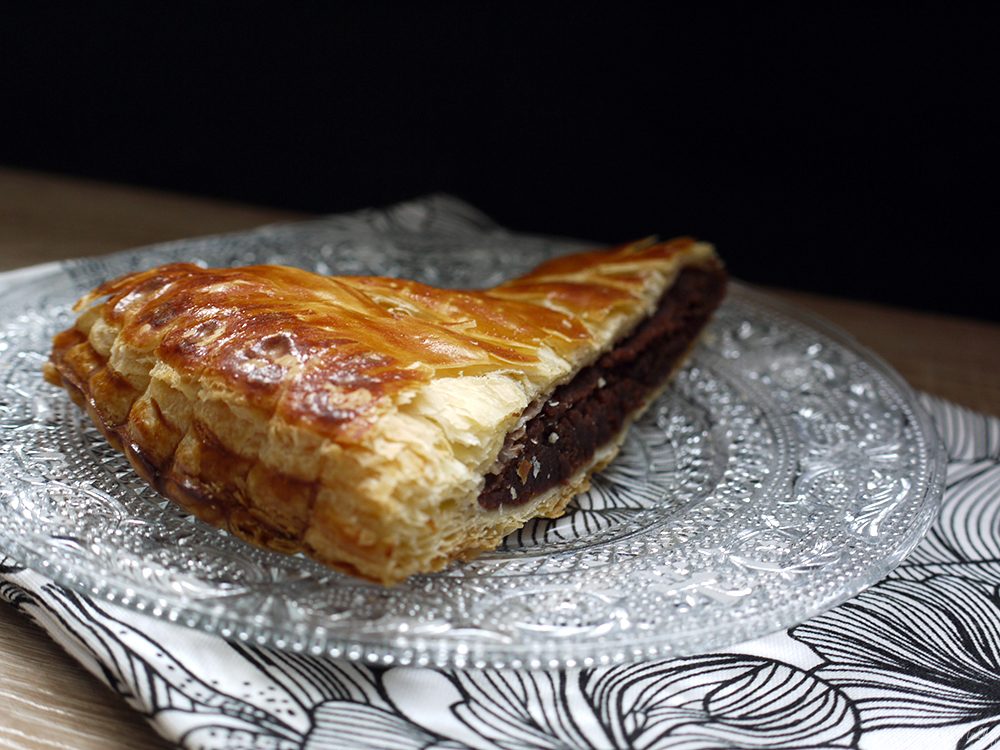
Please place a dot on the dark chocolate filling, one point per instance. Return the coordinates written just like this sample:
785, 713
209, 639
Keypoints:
589, 411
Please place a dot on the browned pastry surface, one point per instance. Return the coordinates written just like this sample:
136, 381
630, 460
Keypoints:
357, 419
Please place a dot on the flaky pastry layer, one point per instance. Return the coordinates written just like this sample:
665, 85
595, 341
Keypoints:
349, 418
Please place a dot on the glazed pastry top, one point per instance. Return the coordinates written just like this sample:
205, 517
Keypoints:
331, 353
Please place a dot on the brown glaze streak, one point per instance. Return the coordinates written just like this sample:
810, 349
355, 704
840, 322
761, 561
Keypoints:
625, 256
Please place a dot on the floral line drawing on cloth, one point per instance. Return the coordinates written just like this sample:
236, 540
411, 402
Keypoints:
918, 652
297, 701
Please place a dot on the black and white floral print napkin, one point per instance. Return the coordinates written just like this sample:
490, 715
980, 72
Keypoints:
912, 662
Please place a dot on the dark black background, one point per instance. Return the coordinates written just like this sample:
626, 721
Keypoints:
848, 149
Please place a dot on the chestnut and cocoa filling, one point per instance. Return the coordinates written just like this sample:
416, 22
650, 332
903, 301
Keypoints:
589, 411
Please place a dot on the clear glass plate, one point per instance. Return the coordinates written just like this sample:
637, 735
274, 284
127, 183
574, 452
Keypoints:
786, 470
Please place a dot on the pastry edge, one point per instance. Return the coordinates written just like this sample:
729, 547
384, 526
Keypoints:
356, 533
483, 529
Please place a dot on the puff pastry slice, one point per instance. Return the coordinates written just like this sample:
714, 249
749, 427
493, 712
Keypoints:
378, 425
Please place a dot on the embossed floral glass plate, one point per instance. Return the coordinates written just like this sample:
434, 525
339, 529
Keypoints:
785, 470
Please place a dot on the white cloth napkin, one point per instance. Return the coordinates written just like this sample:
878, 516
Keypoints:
912, 662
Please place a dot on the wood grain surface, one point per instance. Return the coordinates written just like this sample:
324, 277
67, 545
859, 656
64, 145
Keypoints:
47, 700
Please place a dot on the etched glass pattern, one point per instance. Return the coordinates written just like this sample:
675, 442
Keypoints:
784, 471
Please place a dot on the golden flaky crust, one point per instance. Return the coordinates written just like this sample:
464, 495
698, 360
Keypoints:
349, 418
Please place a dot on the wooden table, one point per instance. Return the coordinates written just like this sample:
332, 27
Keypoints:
46, 699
